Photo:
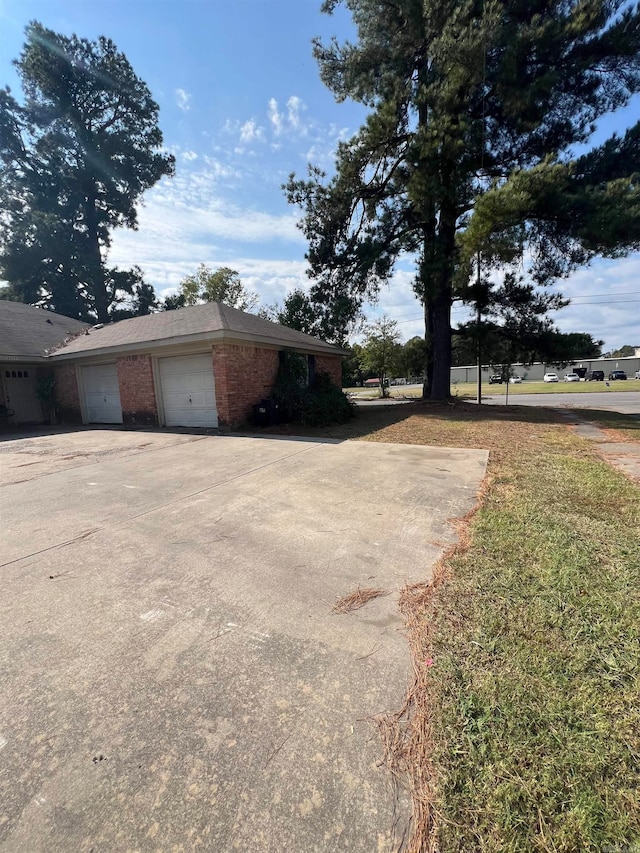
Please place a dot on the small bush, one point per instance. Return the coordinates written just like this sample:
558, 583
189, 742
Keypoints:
290, 386
325, 404
320, 404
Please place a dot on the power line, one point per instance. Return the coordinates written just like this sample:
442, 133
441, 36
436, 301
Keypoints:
593, 295
572, 302
607, 302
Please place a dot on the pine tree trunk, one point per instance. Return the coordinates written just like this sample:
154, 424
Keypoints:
428, 352
96, 266
440, 388
437, 310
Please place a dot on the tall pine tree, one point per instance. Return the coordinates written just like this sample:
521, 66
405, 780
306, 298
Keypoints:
77, 153
464, 98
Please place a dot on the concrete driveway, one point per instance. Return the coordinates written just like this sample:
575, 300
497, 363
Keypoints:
172, 677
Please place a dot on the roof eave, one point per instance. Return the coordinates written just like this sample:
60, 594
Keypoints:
205, 337
30, 357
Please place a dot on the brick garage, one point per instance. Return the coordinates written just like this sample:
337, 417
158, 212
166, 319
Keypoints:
243, 352
243, 376
67, 394
137, 392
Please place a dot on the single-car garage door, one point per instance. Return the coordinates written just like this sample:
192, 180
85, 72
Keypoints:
102, 394
188, 391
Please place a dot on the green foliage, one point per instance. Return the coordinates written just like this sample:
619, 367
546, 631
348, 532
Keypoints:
319, 404
623, 352
414, 358
173, 302
467, 101
221, 285
142, 301
290, 386
352, 373
325, 404
77, 154
381, 352
297, 312
45, 389
329, 322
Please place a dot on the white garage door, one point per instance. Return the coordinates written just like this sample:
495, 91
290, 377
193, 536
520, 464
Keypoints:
188, 391
102, 394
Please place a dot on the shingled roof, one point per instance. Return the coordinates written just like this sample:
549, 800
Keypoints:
27, 332
213, 321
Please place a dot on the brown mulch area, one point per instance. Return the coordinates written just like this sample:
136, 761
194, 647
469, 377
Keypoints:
453, 424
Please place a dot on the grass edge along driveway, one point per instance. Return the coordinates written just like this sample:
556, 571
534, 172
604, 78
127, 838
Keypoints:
521, 731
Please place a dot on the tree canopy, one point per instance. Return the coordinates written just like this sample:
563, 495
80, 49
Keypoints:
77, 153
296, 312
381, 352
466, 153
221, 285
622, 352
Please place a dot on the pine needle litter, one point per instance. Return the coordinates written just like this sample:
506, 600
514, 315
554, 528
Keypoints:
357, 599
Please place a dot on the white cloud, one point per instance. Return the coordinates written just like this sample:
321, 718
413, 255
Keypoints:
605, 302
295, 106
189, 219
275, 117
183, 99
250, 132
189, 156
290, 123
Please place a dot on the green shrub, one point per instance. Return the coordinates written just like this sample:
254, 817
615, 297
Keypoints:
320, 404
325, 404
289, 388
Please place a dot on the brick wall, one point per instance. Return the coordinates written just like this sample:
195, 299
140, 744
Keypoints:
137, 393
332, 365
243, 376
67, 394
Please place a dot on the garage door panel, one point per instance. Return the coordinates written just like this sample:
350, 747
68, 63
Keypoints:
102, 394
188, 391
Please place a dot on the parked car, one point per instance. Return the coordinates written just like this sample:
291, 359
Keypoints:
595, 376
515, 380
495, 379
617, 374
571, 377
551, 377
636, 375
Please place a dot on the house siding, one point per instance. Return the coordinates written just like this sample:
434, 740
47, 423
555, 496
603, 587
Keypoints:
332, 365
67, 395
243, 376
137, 391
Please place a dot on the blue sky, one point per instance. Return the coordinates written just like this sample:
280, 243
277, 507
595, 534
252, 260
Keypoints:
241, 106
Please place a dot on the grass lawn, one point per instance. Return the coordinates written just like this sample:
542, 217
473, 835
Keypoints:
521, 731
468, 389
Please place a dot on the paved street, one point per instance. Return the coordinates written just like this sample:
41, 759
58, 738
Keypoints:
627, 403
172, 676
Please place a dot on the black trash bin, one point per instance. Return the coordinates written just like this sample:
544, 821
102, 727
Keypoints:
261, 415
274, 412
265, 413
